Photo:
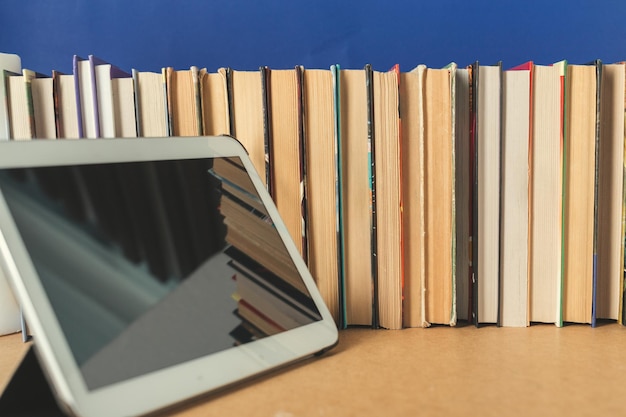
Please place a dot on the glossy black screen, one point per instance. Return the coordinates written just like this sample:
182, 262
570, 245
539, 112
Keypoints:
151, 264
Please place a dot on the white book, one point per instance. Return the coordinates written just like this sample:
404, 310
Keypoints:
67, 110
106, 79
88, 123
546, 190
488, 154
514, 188
43, 107
104, 89
124, 107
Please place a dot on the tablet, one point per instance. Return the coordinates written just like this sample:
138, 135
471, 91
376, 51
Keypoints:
152, 270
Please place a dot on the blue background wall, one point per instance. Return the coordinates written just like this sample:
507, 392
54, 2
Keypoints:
245, 34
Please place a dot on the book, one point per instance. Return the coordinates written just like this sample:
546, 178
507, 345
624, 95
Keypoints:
515, 153
285, 132
356, 198
546, 195
150, 103
387, 198
42, 90
580, 139
20, 104
13, 64
322, 170
487, 81
86, 96
596, 190
183, 101
123, 98
214, 94
108, 80
463, 192
622, 299
412, 114
246, 109
439, 152
610, 190
65, 105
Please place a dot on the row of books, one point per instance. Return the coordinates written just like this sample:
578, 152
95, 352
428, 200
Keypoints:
417, 197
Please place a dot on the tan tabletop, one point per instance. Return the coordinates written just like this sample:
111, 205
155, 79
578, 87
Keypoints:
536, 371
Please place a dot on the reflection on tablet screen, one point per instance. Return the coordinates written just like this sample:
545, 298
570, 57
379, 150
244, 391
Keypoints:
151, 264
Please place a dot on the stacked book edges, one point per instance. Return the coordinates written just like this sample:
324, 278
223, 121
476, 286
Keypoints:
421, 197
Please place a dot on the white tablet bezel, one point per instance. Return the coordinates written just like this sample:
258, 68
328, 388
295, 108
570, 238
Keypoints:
168, 386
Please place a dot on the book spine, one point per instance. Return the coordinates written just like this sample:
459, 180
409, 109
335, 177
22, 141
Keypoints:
452, 74
267, 128
596, 191
196, 77
170, 86
340, 236
302, 162
93, 61
167, 114
474, 77
138, 119
79, 111
29, 76
500, 205
623, 235
369, 83
228, 73
564, 145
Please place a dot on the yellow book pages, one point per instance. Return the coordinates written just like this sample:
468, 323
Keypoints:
320, 154
151, 104
388, 160
546, 191
182, 95
438, 184
285, 138
215, 116
579, 193
247, 116
356, 198
124, 107
411, 110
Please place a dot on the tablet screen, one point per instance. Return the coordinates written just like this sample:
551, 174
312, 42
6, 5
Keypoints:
151, 264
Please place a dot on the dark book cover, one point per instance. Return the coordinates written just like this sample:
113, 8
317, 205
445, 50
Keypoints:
79, 112
596, 191
335, 69
371, 141
500, 217
57, 102
474, 83
229, 97
267, 128
302, 162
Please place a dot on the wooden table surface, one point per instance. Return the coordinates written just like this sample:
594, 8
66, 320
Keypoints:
541, 370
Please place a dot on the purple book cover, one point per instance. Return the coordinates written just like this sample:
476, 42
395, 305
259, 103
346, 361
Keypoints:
80, 97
